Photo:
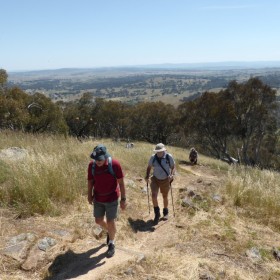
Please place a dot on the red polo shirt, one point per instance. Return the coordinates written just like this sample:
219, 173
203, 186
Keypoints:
106, 187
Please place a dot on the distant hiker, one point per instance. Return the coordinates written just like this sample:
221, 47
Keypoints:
193, 156
163, 166
129, 145
105, 185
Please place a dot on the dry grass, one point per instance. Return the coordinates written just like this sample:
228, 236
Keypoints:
257, 192
51, 175
209, 241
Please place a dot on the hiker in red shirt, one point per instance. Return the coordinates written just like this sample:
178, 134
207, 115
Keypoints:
105, 186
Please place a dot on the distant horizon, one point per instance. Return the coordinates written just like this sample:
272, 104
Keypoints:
226, 64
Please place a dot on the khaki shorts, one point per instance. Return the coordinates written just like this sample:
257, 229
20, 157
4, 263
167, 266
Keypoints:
157, 184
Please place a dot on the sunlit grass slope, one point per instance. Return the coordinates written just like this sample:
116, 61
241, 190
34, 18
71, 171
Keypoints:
53, 175
257, 192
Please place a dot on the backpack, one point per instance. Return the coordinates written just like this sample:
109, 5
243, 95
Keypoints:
166, 157
159, 162
110, 168
193, 154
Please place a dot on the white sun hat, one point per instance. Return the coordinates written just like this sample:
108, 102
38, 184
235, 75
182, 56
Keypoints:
159, 148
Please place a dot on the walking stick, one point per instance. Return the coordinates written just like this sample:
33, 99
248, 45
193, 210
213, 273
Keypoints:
148, 195
172, 199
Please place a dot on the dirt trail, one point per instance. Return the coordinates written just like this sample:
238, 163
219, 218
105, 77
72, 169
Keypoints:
149, 238
197, 171
92, 263
85, 257
206, 239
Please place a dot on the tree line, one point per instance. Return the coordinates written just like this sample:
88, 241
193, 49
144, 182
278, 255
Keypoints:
239, 121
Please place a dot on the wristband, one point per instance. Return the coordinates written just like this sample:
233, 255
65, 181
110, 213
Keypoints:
123, 199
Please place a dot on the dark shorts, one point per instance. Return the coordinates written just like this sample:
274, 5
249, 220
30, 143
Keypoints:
108, 208
157, 184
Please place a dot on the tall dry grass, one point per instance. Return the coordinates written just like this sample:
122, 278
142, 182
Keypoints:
257, 192
53, 175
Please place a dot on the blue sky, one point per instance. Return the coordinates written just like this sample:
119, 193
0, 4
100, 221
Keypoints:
51, 34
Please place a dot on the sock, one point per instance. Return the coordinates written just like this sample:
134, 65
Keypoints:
111, 242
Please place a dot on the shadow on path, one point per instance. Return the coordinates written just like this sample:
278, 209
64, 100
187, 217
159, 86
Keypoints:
71, 265
141, 225
188, 163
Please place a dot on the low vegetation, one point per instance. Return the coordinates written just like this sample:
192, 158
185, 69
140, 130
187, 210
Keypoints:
50, 182
53, 174
257, 192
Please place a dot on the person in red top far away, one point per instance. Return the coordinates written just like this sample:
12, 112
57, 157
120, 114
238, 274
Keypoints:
105, 186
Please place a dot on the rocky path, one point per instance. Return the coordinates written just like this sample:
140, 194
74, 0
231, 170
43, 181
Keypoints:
149, 237
91, 263
80, 262
85, 258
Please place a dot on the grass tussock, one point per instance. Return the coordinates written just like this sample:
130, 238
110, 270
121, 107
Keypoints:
52, 174
257, 192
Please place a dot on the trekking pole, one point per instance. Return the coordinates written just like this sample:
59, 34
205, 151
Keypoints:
148, 195
172, 199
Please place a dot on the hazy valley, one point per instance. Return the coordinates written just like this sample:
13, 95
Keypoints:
170, 84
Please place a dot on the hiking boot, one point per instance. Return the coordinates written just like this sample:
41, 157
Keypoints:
111, 250
157, 215
165, 214
107, 239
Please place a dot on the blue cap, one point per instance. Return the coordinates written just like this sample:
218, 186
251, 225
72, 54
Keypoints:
99, 153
